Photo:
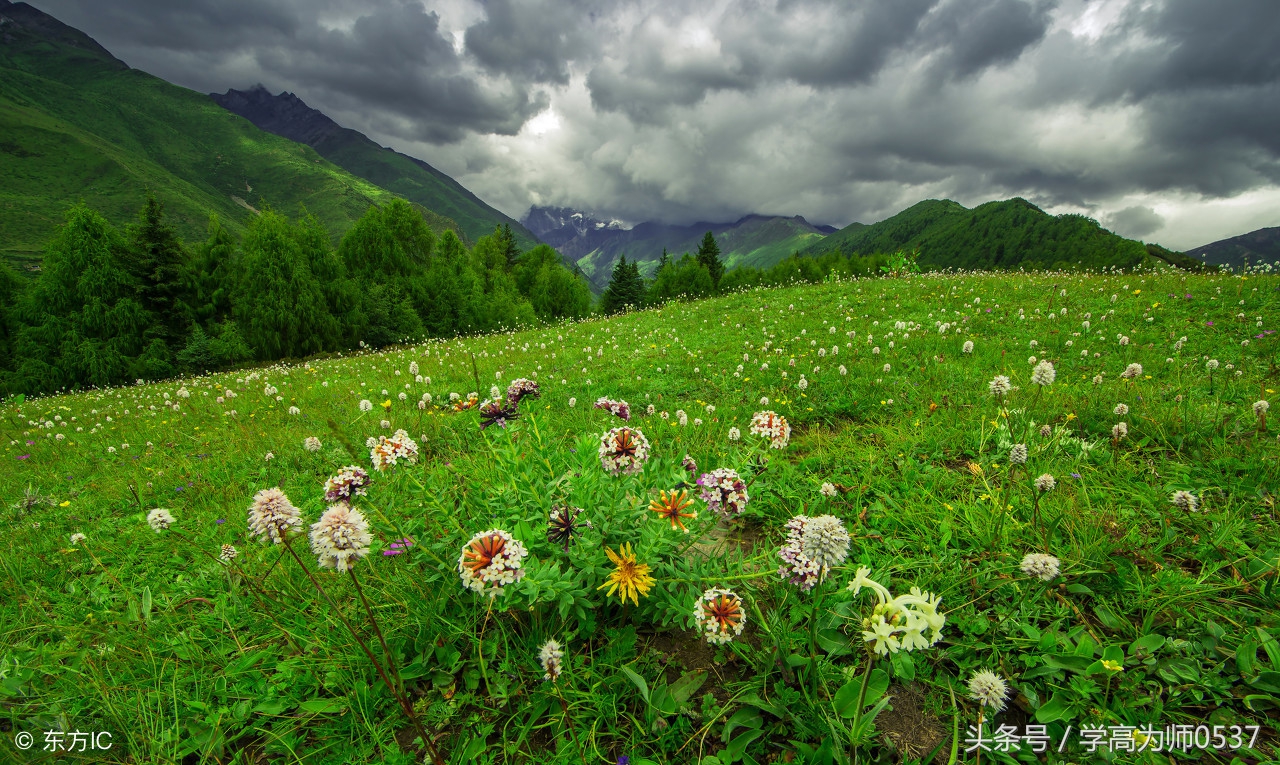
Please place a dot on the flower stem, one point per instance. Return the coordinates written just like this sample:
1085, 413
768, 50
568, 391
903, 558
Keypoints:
391, 664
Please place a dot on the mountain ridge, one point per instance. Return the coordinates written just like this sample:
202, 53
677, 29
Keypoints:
287, 115
594, 245
1260, 246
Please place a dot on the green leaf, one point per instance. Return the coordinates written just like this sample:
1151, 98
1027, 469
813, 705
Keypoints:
747, 717
1068, 662
904, 666
876, 686
1052, 710
1267, 681
1246, 655
1079, 589
1086, 647
734, 750
1108, 617
272, 706
846, 699
1147, 644
323, 706
1257, 702
146, 604
687, 685
1113, 653
833, 642
638, 681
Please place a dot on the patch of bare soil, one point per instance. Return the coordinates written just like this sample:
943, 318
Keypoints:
910, 730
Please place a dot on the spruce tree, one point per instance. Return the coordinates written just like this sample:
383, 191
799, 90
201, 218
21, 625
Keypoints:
510, 248
709, 257
626, 288
158, 261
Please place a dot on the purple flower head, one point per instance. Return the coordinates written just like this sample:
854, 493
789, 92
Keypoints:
220, 521
24, 456
398, 546
31, 443
1075, 475
624, 760
1208, 324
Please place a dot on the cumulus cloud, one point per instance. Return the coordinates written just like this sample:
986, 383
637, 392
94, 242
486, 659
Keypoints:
1146, 114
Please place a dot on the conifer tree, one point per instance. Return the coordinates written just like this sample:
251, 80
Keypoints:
709, 257
158, 260
510, 248
83, 323
626, 288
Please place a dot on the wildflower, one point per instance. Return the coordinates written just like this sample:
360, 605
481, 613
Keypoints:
272, 515
623, 451
628, 578
522, 388
1045, 483
349, 482
1260, 408
1044, 374
1041, 566
689, 464
490, 561
366, 405
1121, 410
1120, 430
1131, 372
1018, 454
269, 456
295, 410
413, 368
999, 386
463, 404
398, 546
496, 411
724, 492
803, 384
227, 554
311, 444
719, 615
389, 451
77, 538
682, 418
813, 547
385, 424
772, 426
734, 434
988, 689
671, 506
827, 489
1185, 500
899, 623
563, 525
619, 409
341, 537
572, 402
1211, 364
967, 347
843, 370
550, 656
160, 519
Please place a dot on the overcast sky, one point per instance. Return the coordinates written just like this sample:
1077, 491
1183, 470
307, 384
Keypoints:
1159, 118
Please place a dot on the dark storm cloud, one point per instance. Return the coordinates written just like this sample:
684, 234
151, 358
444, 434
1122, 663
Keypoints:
532, 40
970, 36
840, 110
388, 59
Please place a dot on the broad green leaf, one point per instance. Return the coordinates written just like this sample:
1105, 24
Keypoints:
638, 681
1053, 709
687, 685
1147, 644
1267, 681
323, 706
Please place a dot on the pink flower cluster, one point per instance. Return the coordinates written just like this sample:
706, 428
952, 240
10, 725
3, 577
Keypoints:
619, 409
724, 492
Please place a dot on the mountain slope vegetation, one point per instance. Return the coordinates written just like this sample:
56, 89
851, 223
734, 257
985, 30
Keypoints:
78, 125
1011, 233
1261, 246
288, 116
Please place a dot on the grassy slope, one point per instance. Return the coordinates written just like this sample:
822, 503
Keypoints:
147, 636
78, 126
1004, 234
419, 182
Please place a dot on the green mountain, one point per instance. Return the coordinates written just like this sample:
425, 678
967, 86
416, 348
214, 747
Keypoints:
288, 116
595, 246
77, 124
1261, 246
1005, 234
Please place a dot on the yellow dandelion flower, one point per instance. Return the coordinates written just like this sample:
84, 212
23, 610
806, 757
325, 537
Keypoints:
629, 579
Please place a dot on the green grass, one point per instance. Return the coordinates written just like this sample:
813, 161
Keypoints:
184, 659
78, 126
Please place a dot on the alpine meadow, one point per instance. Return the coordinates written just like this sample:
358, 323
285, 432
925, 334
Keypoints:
316, 457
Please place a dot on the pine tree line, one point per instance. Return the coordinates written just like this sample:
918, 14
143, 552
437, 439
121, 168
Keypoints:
111, 306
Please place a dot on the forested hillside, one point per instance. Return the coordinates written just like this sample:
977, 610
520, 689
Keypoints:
111, 305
